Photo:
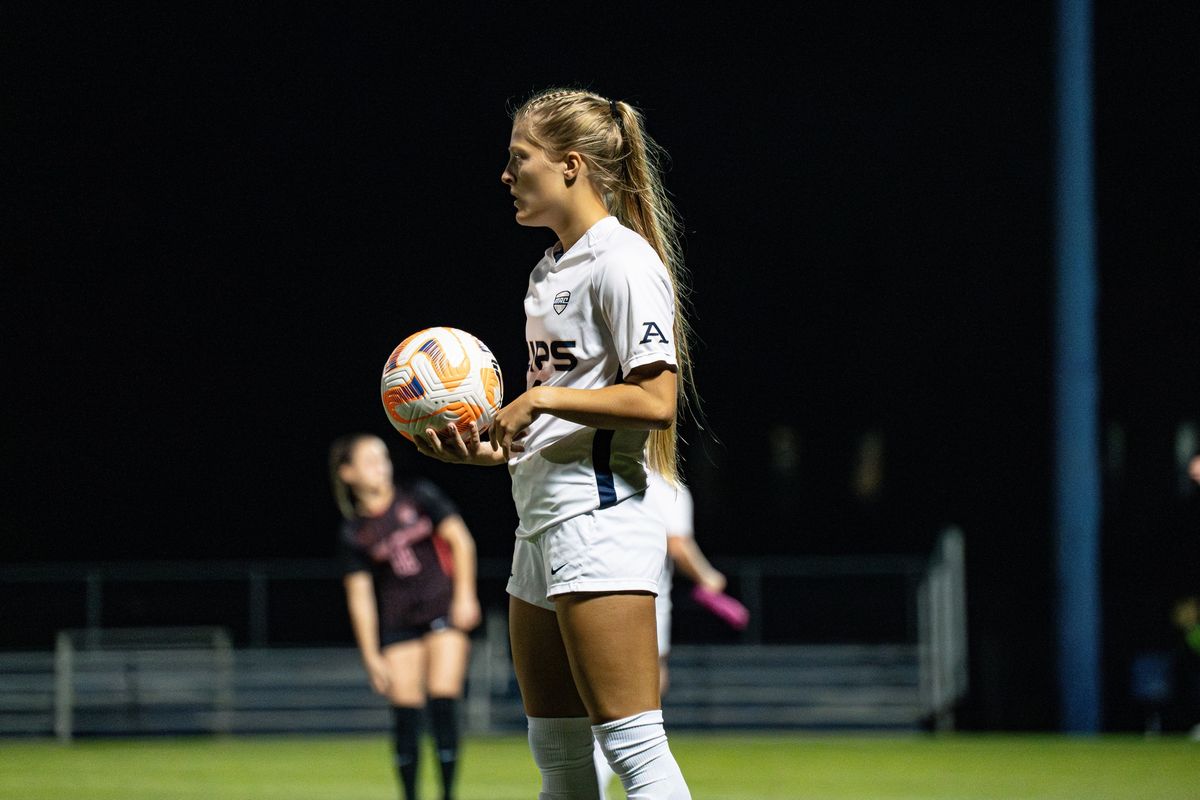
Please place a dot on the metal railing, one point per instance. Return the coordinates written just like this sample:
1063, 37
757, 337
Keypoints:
933, 613
942, 617
748, 574
137, 668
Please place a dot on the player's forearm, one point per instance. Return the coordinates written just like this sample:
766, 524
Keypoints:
692, 563
364, 618
620, 407
684, 559
462, 553
464, 576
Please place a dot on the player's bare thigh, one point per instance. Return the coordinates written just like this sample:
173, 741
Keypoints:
612, 644
448, 651
540, 662
406, 663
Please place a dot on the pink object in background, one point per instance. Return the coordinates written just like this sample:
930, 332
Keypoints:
730, 611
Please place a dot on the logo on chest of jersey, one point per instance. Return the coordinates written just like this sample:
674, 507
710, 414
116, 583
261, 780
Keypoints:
557, 352
560, 302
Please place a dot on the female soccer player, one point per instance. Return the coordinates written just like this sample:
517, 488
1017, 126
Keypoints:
410, 587
608, 362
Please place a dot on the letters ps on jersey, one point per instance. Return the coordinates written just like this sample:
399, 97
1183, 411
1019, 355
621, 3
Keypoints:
559, 350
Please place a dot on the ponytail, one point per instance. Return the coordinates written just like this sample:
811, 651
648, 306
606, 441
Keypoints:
641, 203
341, 452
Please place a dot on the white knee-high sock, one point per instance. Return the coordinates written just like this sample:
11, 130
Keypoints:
637, 749
604, 773
562, 749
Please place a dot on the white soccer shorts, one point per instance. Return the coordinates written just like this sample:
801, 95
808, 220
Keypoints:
619, 548
662, 616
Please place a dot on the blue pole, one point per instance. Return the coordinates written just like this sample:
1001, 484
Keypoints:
1077, 495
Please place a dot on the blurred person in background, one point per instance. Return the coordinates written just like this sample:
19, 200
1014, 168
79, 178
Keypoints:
1187, 620
1185, 714
674, 505
409, 564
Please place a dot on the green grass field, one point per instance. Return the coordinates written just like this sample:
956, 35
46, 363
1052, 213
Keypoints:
962, 767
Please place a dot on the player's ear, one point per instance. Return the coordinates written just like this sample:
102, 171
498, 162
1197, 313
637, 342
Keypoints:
575, 165
346, 473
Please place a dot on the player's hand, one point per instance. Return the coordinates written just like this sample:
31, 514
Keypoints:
377, 671
511, 425
449, 445
465, 614
714, 581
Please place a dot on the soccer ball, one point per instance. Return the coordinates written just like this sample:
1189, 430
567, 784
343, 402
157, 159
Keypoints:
438, 377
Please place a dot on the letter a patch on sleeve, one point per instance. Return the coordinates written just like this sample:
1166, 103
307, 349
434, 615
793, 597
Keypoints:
653, 330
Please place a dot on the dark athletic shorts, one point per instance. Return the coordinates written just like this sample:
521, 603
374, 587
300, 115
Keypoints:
398, 635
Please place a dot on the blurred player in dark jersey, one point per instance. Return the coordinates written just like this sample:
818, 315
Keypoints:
409, 565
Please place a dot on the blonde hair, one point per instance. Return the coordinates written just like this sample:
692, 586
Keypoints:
626, 170
341, 452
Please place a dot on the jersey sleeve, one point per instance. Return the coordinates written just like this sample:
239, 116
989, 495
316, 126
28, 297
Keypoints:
636, 300
435, 503
352, 558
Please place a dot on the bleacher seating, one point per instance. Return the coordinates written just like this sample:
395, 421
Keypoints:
145, 692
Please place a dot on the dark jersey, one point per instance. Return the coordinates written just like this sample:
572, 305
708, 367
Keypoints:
409, 565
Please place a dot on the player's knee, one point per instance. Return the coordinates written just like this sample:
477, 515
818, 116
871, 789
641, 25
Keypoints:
407, 695
450, 687
446, 682
445, 690
610, 709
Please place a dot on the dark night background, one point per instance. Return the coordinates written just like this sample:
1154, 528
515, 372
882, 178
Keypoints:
219, 221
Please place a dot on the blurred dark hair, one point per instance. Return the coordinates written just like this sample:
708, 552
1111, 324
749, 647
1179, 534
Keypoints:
341, 452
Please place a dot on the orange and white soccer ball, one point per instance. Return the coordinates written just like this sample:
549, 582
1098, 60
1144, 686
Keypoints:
438, 377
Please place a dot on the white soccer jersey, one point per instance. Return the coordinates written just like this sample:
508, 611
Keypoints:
602, 309
672, 504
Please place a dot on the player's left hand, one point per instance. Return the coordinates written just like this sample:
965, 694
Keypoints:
511, 425
464, 613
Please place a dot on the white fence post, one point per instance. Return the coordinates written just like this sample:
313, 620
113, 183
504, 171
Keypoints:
942, 629
64, 686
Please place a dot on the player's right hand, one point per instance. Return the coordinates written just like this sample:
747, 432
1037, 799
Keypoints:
714, 581
449, 445
377, 671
